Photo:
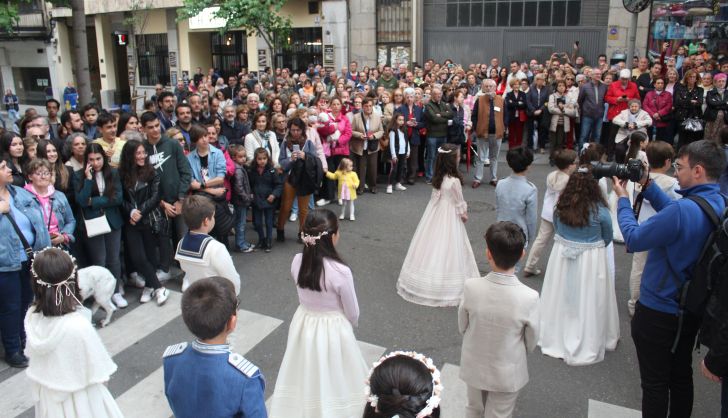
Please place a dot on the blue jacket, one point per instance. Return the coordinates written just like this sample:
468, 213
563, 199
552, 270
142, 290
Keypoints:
415, 139
203, 380
676, 233
100, 205
23, 201
215, 164
63, 213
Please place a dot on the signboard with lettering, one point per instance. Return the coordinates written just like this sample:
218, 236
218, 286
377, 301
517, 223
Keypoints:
206, 19
262, 59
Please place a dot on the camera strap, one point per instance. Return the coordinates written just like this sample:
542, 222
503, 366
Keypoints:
637, 205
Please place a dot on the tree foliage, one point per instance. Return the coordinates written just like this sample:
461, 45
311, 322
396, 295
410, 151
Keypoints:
257, 17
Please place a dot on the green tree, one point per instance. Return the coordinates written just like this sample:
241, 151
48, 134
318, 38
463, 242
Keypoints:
257, 17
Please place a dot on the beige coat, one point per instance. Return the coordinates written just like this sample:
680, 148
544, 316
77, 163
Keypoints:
568, 112
356, 143
643, 120
499, 318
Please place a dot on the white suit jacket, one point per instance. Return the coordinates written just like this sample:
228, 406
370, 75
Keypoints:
498, 317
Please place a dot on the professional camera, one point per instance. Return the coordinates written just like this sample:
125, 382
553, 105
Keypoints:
633, 170
561, 100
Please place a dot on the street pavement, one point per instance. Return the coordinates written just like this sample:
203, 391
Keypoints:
374, 246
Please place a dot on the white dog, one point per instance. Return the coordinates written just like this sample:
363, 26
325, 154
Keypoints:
98, 282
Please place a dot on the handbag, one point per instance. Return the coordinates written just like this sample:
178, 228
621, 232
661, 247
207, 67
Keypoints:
26, 247
96, 226
693, 125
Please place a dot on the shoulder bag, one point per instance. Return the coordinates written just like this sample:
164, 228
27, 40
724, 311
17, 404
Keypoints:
26, 247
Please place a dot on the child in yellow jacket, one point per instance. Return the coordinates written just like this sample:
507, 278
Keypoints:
348, 182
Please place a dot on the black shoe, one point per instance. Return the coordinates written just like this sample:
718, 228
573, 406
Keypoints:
373, 190
17, 359
268, 246
280, 235
410, 182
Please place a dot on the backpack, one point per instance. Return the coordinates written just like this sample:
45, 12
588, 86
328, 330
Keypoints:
701, 295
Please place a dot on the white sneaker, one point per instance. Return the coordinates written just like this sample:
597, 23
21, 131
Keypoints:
293, 217
119, 300
146, 295
399, 187
389, 189
322, 202
163, 276
341, 202
341, 216
161, 295
486, 162
136, 281
352, 218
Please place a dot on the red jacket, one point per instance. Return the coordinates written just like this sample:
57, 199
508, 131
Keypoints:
661, 104
616, 91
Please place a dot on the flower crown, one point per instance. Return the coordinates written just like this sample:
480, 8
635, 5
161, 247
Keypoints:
583, 170
442, 150
310, 240
434, 400
60, 286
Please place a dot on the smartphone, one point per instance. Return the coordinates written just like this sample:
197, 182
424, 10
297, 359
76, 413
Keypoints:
296, 148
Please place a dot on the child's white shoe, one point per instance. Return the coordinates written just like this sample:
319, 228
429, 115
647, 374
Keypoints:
352, 218
341, 216
399, 187
389, 189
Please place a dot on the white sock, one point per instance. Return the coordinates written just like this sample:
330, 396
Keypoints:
350, 203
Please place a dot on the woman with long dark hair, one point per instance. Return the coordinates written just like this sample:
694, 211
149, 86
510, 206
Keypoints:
13, 149
688, 104
440, 257
144, 223
99, 194
323, 368
579, 318
61, 174
127, 122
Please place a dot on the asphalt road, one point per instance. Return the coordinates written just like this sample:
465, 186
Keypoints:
375, 246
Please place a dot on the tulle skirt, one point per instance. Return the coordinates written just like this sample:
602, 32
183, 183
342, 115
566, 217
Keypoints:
323, 372
94, 401
579, 318
439, 259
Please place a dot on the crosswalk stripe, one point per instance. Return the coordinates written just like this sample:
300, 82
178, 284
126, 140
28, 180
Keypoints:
117, 336
606, 410
146, 399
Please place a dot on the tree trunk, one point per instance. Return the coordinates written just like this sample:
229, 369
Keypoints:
80, 53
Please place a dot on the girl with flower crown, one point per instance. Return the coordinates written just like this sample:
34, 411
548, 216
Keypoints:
69, 364
440, 257
323, 369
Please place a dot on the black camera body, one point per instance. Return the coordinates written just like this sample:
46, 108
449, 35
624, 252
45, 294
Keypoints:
632, 171
561, 100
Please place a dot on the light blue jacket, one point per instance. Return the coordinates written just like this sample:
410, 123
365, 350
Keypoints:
599, 228
517, 201
215, 164
11, 256
63, 213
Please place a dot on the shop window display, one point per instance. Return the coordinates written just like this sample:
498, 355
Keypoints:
686, 24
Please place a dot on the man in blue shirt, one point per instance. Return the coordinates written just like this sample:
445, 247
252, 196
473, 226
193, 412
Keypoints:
664, 337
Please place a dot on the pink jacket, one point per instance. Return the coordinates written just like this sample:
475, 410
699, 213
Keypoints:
658, 103
340, 146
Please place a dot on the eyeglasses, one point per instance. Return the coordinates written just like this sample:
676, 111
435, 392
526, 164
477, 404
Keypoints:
43, 173
677, 166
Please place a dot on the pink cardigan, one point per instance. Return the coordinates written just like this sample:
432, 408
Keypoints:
341, 146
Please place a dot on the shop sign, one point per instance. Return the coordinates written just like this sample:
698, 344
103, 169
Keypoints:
207, 19
172, 58
328, 55
262, 59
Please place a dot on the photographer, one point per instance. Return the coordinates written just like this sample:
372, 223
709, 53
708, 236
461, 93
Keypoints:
674, 237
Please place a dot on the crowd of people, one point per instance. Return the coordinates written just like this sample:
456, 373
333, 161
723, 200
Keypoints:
123, 191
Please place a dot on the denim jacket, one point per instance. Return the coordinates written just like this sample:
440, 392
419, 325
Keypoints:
62, 212
215, 164
11, 258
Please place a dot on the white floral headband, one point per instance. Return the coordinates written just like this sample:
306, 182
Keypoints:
582, 170
66, 285
434, 400
442, 150
310, 240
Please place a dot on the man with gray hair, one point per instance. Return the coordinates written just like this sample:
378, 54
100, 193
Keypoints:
488, 125
438, 116
253, 102
233, 130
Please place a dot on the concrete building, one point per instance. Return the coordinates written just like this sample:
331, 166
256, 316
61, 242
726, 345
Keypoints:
134, 44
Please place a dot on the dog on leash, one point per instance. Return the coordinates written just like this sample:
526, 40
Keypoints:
98, 282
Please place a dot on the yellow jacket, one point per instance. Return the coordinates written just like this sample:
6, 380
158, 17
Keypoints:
350, 179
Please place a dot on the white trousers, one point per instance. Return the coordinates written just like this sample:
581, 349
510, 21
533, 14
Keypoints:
545, 235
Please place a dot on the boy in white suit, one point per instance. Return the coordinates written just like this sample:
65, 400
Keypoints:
498, 317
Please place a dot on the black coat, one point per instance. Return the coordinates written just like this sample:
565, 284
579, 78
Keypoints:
715, 103
456, 131
263, 185
306, 175
681, 102
144, 197
515, 100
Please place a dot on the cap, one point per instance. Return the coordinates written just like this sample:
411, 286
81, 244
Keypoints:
625, 73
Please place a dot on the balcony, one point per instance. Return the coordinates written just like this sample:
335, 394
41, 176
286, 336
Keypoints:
32, 22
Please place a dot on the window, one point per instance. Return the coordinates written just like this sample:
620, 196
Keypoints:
229, 52
153, 59
515, 13
394, 28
